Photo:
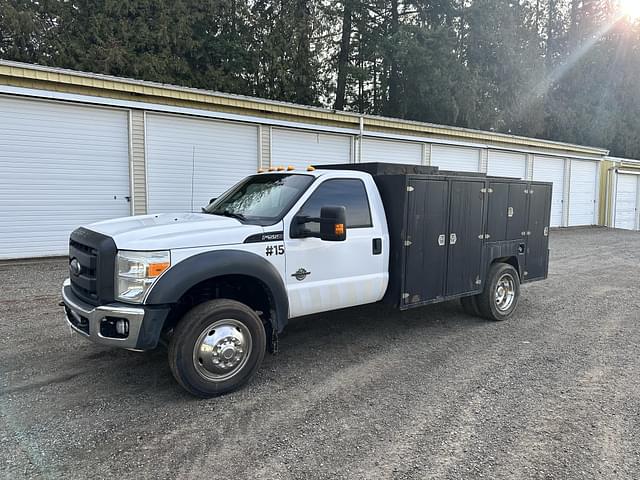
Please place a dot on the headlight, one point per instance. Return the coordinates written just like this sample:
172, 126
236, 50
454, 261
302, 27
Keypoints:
137, 271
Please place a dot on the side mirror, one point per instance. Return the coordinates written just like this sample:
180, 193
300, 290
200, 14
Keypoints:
333, 225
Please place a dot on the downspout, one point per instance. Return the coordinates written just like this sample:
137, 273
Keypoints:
361, 138
608, 218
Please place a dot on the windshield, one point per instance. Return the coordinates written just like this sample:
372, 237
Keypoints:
261, 199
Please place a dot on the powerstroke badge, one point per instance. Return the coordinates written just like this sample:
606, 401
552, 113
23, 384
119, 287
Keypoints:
265, 237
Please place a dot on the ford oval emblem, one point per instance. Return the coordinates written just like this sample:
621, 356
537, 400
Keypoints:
75, 267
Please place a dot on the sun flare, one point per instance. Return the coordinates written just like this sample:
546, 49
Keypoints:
630, 8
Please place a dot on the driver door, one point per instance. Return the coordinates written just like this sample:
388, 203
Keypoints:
326, 275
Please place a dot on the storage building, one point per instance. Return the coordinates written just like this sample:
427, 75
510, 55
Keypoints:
78, 147
622, 185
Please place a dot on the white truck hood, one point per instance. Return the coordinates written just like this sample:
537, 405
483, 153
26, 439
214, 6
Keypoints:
168, 231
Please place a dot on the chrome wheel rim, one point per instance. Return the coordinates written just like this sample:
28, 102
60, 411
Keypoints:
505, 292
222, 350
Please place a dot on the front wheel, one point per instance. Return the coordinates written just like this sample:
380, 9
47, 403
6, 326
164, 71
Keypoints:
217, 347
500, 297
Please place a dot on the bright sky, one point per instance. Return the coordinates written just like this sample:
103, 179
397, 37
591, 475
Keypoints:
630, 8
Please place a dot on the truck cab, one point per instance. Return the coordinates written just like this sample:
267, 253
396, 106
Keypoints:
260, 245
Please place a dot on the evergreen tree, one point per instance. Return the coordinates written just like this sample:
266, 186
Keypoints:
562, 69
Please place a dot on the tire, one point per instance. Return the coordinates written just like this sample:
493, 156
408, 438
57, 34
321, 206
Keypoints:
470, 306
493, 303
217, 347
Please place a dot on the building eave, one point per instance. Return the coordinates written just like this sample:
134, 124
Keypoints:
84, 83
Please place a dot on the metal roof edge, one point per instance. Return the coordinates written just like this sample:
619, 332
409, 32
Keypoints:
623, 160
147, 88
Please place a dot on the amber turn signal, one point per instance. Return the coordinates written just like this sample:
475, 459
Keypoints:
155, 269
339, 229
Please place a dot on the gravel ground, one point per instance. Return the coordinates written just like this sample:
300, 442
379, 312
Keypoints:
362, 393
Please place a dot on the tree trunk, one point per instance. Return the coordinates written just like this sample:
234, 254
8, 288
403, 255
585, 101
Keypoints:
361, 78
574, 33
375, 85
393, 107
303, 74
362, 34
551, 39
343, 56
462, 29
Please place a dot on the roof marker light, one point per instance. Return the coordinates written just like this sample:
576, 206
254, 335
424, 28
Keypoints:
310, 168
290, 167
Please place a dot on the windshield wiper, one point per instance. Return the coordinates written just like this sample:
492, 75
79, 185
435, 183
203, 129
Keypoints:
227, 213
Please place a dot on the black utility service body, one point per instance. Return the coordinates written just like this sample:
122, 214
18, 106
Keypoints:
447, 228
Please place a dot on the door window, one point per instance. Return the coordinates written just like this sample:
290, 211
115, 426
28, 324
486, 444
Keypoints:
349, 193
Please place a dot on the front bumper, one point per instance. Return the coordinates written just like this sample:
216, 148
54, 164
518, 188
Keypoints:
144, 323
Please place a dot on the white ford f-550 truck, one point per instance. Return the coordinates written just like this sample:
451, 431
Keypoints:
222, 284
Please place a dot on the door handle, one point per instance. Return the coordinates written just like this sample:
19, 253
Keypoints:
453, 238
376, 246
442, 239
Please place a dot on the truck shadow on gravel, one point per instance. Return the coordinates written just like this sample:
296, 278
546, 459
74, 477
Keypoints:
313, 342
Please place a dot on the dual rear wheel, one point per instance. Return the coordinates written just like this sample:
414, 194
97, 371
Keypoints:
500, 297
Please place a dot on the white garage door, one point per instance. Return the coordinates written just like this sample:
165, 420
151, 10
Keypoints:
300, 149
582, 192
550, 169
61, 166
626, 208
186, 155
459, 159
507, 164
392, 151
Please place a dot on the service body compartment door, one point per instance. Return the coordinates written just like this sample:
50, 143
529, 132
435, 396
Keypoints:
498, 208
465, 231
426, 240
517, 216
538, 238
